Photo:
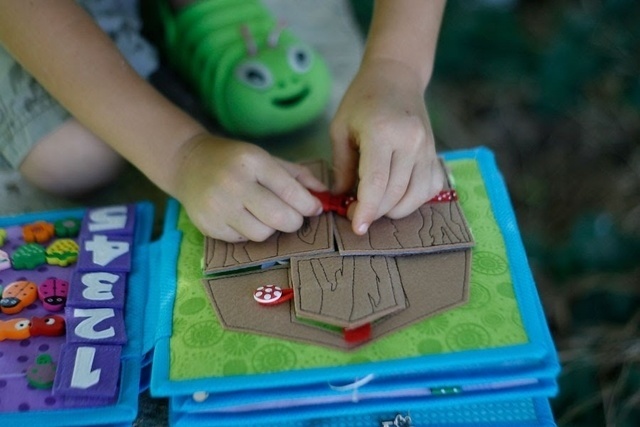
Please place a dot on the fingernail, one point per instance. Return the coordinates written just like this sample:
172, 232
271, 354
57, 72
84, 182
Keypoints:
362, 228
319, 211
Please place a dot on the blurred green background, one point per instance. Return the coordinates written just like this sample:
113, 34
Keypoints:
553, 88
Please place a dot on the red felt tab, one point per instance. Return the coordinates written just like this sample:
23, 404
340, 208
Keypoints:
445, 196
357, 335
334, 203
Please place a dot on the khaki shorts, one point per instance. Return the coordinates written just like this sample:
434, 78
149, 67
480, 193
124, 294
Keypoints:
28, 112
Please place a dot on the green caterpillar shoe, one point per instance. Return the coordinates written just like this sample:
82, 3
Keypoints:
254, 76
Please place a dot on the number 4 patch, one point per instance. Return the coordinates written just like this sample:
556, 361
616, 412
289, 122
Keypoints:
99, 252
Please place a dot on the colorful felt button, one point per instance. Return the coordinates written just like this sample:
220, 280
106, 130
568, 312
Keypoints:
68, 227
38, 232
53, 293
109, 220
28, 257
95, 325
3, 236
88, 371
62, 252
42, 373
5, 261
272, 295
15, 329
445, 196
18, 295
100, 252
48, 326
97, 289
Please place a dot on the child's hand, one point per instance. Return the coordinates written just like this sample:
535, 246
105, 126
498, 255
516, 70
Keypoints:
382, 136
235, 191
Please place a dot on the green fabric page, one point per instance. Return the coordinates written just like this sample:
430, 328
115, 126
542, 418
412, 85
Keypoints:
201, 348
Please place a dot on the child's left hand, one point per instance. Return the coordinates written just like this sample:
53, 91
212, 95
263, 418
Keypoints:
382, 136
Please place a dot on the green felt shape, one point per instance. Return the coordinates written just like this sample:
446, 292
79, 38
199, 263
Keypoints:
28, 257
3, 236
255, 78
201, 347
42, 373
67, 227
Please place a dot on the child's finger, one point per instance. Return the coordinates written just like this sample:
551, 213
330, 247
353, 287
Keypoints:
400, 172
426, 181
417, 192
272, 211
228, 234
303, 175
247, 225
374, 178
345, 163
278, 180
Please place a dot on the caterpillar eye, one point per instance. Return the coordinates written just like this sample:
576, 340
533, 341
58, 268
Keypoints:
49, 321
300, 58
255, 75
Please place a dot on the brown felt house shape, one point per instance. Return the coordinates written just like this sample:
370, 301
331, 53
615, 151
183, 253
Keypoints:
401, 272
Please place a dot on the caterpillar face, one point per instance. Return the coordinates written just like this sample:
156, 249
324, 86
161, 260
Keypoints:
292, 89
277, 90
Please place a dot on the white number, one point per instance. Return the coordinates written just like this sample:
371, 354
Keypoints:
83, 375
99, 286
105, 251
109, 218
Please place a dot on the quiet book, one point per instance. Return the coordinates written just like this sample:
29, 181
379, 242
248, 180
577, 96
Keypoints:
430, 320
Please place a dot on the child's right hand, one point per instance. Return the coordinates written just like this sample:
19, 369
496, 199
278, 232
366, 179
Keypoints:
235, 191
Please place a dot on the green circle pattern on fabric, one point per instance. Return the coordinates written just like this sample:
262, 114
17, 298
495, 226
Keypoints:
201, 334
273, 358
192, 306
489, 263
467, 336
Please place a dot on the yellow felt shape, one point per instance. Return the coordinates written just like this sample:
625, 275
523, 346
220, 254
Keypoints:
62, 252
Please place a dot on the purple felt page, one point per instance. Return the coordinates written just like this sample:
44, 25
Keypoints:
86, 359
17, 356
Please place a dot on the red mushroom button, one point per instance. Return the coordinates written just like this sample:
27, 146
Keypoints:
272, 295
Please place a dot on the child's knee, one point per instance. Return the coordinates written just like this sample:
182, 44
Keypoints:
71, 161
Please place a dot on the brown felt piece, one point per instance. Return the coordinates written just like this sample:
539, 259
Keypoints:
346, 291
314, 237
432, 283
434, 227
405, 271
232, 299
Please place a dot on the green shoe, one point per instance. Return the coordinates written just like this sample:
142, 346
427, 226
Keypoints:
255, 77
